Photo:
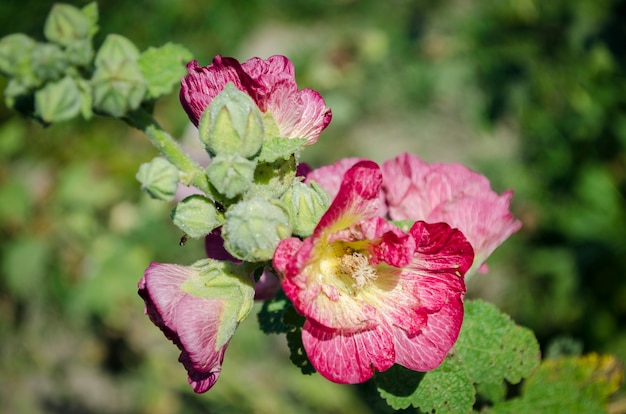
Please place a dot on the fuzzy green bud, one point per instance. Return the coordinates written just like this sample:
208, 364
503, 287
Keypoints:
66, 24
48, 62
116, 48
58, 101
158, 178
254, 228
118, 87
15, 54
232, 124
197, 216
231, 174
305, 204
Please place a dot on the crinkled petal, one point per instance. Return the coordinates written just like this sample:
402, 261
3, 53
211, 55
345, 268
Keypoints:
188, 321
427, 350
330, 177
348, 359
358, 199
450, 193
270, 83
486, 221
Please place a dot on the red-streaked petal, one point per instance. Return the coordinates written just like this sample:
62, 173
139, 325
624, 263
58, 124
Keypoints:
427, 350
348, 358
357, 199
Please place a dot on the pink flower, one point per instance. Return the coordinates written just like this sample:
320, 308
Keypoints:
453, 194
200, 326
371, 294
270, 83
329, 177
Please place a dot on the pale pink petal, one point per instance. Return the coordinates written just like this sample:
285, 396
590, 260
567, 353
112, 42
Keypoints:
486, 221
348, 359
453, 194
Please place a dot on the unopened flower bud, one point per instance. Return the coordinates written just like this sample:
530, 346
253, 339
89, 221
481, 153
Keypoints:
254, 228
58, 101
306, 204
231, 174
66, 24
15, 54
232, 124
48, 62
116, 48
159, 179
118, 87
196, 216
80, 52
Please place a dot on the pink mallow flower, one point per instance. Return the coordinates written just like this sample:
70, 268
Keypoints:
198, 310
270, 83
453, 194
373, 295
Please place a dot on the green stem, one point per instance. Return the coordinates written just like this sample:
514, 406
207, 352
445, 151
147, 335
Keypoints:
192, 172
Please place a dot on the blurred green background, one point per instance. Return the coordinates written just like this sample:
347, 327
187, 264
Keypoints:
531, 94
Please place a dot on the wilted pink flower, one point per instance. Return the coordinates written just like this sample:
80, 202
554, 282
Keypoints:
453, 194
373, 295
270, 83
201, 327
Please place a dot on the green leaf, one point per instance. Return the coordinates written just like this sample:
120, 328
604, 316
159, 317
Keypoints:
163, 68
280, 148
297, 354
271, 314
447, 389
580, 384
491, 348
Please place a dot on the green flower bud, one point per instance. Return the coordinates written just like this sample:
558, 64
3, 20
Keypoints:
118, 87
79, 53
116, 48
15, 54
306, 205
58, 101
254, 228
272, 179
231, 175
232, 124
48, 62
196, 216
66, 24
159, 179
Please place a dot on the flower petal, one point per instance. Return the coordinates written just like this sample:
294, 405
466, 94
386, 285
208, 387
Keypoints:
348, 359
188, 321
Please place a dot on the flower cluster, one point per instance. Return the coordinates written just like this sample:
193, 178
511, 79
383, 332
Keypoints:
374, 259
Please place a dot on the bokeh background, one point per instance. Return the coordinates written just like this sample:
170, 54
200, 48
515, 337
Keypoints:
532, 94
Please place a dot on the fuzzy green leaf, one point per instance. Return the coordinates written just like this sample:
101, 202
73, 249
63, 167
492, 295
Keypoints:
163, 67
579, 384
490, 349
280, 148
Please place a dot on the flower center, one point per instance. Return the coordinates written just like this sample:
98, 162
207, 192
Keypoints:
356, 265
